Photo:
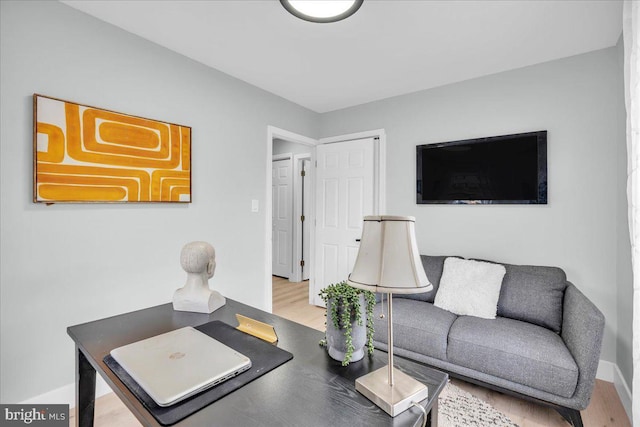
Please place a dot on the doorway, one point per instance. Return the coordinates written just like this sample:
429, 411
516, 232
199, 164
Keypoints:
311, 261
289, 209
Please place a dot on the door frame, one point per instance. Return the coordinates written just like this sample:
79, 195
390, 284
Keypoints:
379, 180
298, 159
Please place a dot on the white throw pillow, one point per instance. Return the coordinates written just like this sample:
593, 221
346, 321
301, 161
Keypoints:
470, 288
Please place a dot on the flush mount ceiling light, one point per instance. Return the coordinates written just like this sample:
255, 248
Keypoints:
322, 11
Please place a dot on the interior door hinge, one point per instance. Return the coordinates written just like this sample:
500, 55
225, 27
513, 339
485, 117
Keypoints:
303, 173
301, 263
302, 218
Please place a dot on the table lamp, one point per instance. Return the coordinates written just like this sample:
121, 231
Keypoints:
389, 262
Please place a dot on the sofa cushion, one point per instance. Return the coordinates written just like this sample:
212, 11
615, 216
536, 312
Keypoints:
433, 266
516, 351
470, 287
417, 326
533, 294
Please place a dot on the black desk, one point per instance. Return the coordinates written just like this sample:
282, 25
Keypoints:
310, 390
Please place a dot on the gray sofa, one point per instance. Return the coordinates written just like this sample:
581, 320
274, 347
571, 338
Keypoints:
544, 344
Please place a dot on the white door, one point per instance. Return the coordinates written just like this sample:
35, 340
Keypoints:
344, 195
282, 217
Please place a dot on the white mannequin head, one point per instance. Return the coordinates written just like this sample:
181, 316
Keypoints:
198, 258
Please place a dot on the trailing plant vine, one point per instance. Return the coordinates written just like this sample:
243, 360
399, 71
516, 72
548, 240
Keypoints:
345, 309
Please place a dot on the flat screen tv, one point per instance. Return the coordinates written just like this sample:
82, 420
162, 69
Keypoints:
507, 169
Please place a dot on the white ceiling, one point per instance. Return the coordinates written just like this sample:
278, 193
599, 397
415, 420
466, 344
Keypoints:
388, 48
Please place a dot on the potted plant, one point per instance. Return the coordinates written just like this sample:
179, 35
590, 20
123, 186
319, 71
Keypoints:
349, 322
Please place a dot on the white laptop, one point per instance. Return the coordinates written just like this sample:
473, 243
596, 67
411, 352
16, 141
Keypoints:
176, 365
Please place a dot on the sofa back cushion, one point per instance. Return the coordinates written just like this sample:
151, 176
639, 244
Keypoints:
433, 266
529, 293
533, 294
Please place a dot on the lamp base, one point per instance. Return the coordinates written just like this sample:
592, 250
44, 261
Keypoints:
392, 399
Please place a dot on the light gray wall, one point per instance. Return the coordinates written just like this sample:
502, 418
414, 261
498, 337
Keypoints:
280, 146
66, 264
624, 273
576, 100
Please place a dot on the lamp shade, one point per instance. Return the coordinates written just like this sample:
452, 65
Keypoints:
388, 260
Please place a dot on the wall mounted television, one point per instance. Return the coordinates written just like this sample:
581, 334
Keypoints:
507, 169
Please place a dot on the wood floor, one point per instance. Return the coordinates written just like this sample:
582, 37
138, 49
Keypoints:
291, 301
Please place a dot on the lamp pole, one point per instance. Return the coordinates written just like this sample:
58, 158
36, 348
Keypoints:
390, 338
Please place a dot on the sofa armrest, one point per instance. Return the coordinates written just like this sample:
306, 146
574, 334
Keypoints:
582, 330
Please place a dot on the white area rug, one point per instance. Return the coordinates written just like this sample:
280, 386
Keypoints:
458, 408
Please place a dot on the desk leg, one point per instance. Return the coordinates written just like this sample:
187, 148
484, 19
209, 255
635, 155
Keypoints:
432, 419
85, 390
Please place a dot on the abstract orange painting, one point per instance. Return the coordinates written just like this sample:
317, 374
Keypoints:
86, 154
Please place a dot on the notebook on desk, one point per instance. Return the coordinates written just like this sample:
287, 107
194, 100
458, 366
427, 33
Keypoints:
176, 365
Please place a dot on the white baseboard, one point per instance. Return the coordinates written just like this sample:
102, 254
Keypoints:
66, 395
610, 372
606, 371
624, 392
